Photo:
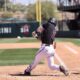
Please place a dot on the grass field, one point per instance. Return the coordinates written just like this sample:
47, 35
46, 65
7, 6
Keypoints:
72, 40
76, 41
16, 56
24, 56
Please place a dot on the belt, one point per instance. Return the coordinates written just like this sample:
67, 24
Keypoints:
47, 44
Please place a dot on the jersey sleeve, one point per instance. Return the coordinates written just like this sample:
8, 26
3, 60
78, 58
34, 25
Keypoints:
45, 25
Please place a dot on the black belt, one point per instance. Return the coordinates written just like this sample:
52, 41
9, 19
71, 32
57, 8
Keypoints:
47, 44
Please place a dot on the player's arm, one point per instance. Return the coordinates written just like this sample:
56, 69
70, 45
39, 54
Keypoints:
37, 32
54, 45
40, 29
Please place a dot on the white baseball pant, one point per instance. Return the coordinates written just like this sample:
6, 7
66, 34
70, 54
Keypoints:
47, 52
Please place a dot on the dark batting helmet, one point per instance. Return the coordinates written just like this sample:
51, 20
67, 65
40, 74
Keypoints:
52, 21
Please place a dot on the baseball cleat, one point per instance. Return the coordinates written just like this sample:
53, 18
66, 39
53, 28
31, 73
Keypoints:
63, 70
27, 73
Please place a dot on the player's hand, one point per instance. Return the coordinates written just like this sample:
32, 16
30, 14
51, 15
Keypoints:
34, 34
54, 45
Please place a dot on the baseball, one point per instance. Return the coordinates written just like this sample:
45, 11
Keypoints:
18, 37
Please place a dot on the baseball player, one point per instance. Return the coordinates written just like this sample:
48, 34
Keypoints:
46, 33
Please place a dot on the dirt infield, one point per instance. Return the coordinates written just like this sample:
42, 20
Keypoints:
68, 53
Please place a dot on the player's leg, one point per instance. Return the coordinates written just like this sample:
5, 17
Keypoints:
50, 58
51, 64
55, 66
37, 59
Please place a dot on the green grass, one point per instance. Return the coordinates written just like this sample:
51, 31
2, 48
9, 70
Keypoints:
24, 56
8, 40
75, 41
24, 40
15, 40
17, 56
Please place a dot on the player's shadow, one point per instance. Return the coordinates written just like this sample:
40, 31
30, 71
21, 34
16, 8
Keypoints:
55, 75
20, 74
76, 73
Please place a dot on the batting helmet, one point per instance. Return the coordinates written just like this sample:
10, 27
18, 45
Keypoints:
52, 21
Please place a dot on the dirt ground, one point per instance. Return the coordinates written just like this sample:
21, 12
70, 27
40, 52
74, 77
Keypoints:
68, 53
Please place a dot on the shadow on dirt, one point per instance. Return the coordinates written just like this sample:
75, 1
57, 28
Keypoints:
20, 74
76, 73
55, 74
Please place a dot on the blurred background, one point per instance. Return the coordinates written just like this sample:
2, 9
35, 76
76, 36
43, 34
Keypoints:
21, 17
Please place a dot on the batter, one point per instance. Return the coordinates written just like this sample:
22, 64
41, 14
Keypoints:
46, 33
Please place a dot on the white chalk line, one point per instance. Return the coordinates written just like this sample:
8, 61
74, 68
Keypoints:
60, 61
71, 49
